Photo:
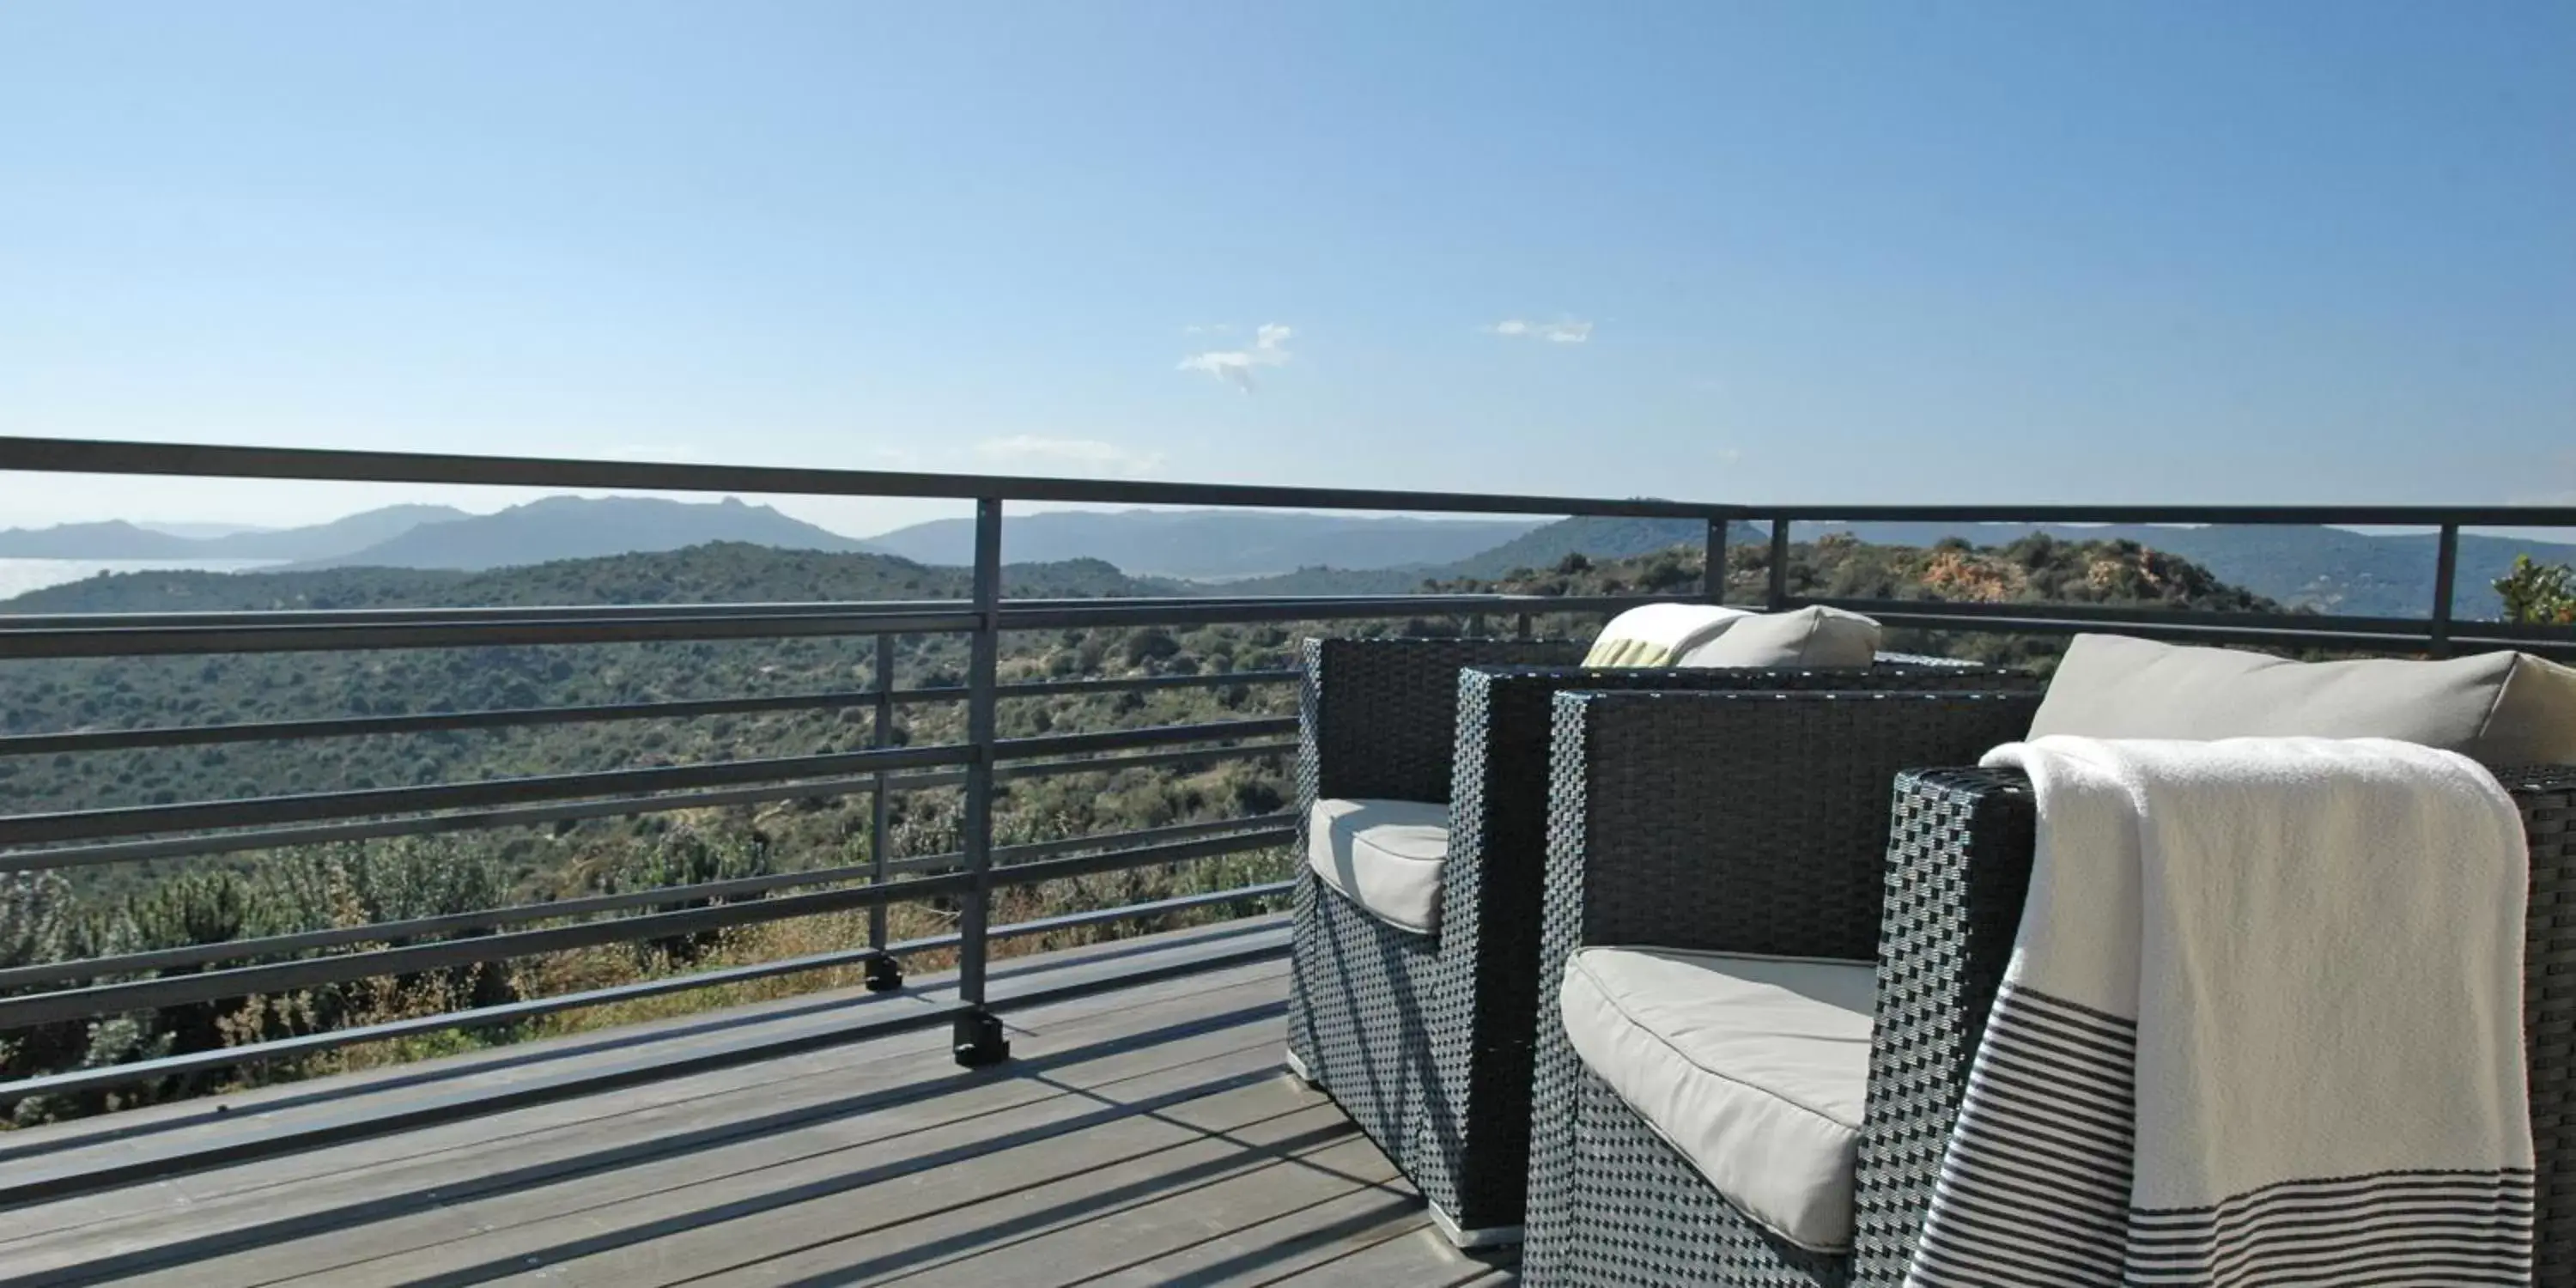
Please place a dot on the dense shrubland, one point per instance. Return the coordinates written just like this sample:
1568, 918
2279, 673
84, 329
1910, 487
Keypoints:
133, 907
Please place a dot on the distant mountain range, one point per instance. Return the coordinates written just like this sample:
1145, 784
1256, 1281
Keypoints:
2305, 566
1212, 544
2331, 569
571, 527
437, 536
118, 539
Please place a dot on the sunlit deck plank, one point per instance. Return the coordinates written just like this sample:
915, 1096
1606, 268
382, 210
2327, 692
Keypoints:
1142, 1136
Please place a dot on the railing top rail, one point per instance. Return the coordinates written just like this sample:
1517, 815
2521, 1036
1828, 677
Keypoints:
90, 456
2394, 516
84, 456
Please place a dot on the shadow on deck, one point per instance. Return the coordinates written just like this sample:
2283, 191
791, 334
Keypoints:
1145, 1135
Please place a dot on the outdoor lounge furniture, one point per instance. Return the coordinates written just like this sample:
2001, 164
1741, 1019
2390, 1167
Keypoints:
1423, 771
1836, 1192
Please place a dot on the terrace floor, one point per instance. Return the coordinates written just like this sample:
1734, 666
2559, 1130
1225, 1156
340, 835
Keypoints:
1143, 1135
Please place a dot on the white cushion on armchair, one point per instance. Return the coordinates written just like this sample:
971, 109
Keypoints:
1753, 1069
1383, 855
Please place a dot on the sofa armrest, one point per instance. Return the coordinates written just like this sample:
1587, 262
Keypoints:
2546, 796
1378, 718
1959, 853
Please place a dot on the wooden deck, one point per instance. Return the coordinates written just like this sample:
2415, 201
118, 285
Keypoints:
1140, 1136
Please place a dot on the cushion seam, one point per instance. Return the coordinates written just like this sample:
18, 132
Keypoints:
2486, 725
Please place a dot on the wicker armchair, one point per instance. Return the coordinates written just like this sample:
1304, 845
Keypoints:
1425, 1039
1612, 1203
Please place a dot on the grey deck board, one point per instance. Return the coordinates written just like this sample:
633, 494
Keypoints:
518, 1153
1142, 1136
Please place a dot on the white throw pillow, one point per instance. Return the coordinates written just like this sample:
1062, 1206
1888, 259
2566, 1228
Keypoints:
1658, 634
1814, 636
2499, 708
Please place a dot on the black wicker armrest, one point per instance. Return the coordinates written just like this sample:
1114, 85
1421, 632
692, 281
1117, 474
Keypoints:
1958, 869
1737, 822
1379, 718
1959, 863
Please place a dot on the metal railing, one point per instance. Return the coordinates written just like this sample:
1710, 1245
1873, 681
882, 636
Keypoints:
40, 993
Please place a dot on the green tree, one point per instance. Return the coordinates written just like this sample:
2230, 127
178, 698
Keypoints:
2537, 594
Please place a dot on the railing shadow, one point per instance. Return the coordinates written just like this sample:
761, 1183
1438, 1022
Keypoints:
668, 1148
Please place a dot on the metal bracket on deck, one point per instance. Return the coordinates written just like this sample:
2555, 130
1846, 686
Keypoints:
884, 975
979, 1041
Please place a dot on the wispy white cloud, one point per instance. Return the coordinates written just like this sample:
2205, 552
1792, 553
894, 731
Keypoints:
1084, 455
1565, 331
1235, 366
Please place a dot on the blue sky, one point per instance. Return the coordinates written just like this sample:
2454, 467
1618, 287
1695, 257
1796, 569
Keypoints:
1773, 251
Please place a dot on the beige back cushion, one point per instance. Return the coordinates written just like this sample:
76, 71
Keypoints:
2500, 708
1658, 634
1812, 636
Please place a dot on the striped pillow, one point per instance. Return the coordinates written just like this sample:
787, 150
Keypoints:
1658, 634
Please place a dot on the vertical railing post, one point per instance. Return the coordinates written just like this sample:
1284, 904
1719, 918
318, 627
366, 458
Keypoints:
1713, 577
979, 1040
884, 973
2446, 572
1779, 564
1522, 626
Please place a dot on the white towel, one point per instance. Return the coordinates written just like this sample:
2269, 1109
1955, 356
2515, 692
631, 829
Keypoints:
2262, 1025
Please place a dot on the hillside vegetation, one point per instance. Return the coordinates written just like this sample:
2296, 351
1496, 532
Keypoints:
128, 907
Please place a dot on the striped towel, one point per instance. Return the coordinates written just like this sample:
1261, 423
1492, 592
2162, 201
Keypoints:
2262, 1025
1658, 634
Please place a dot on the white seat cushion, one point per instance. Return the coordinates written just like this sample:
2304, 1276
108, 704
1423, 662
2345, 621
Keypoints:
1753, 1068
1384, 855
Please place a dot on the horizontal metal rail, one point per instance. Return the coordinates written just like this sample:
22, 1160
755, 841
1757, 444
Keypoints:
196, 1062
309, 972
88, 456
1178, 612
251, 812
1142, 760
2389, 516
133, 820
92, 968
1085, 744
92, 740
628, 626
242, 981
89, 740
532, 816
163, 641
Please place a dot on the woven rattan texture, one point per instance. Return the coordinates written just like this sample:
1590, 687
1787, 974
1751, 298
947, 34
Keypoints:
1649, 1220
1959, 864
1736, 822
1427, 1039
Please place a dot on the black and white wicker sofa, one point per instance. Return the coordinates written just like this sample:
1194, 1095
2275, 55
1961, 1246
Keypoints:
1422, 779
1766, 1099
